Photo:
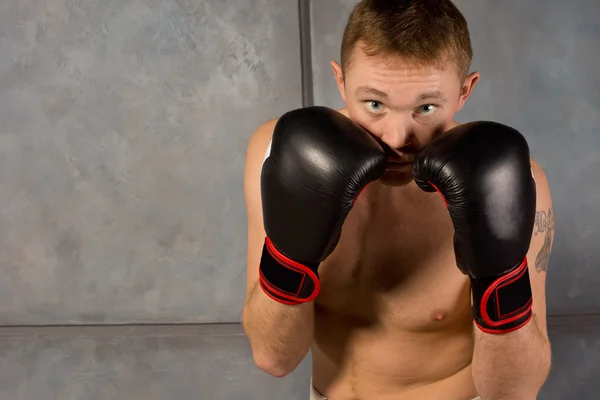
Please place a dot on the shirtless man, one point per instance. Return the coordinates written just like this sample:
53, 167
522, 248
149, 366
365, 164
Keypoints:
393, 309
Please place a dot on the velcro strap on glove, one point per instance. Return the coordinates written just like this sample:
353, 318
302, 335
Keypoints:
285, 280
503, 304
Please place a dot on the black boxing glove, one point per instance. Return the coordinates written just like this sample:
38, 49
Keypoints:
319, 162
483, 172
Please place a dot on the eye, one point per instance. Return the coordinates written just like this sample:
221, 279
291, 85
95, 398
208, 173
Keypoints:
374, 106
426, 109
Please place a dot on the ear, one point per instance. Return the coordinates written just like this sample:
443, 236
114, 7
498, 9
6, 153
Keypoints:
339, 78
467, 87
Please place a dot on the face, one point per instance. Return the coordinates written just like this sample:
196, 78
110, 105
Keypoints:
403, 105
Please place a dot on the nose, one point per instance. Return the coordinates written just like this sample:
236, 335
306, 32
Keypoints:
396, 135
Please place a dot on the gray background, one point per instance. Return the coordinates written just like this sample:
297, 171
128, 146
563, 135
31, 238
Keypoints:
124, 125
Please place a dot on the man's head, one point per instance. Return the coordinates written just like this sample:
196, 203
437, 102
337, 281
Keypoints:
404, 73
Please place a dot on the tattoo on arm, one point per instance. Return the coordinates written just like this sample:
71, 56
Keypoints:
544, 223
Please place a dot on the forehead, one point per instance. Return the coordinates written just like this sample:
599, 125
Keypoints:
395, 76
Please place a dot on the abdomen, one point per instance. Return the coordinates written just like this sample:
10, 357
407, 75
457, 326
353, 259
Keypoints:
359, 360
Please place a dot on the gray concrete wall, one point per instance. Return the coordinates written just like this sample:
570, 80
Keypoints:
123, 137
124, 126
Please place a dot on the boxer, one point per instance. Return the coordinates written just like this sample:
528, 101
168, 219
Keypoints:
394, 243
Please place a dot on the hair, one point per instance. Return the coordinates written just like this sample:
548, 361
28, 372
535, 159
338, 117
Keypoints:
424, 32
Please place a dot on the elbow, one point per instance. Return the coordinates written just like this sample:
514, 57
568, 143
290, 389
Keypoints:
271, 366
546, 361
263, 359
544, 364
271, 355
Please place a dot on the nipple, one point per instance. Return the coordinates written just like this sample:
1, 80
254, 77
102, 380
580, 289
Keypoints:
438, 315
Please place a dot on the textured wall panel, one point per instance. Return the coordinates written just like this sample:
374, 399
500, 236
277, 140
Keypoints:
328, 20
538, 64
122, 144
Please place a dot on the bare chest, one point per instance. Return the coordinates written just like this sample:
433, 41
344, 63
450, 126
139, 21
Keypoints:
396, 269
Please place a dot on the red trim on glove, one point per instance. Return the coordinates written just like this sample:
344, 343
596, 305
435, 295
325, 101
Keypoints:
440, 192
267, 288
288, 297
492, 290
506, 330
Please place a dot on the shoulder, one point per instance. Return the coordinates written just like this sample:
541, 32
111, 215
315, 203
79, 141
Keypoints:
259, 140
541, 183
537, 169
257, 147
255, 155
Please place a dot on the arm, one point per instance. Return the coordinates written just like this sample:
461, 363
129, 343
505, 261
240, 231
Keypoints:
484, 171
279, 335
521, 358
317, 165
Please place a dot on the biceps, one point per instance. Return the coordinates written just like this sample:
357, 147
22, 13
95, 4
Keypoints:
252, 194
256, 237
542, 240
538, 258
540, 249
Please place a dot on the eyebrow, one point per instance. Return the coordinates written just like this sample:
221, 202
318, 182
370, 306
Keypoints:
370, 90
432, 95
362, 90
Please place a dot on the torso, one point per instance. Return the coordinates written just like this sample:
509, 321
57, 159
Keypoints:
393, 319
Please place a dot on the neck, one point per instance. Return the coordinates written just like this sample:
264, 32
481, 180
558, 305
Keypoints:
382, 195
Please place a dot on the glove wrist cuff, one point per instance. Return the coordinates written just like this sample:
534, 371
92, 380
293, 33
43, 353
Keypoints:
503, 304
285, 280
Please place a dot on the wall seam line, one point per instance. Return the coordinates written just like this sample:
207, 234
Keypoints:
305, 52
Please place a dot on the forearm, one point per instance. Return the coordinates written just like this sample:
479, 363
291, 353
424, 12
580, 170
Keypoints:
511, 366
280, 335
